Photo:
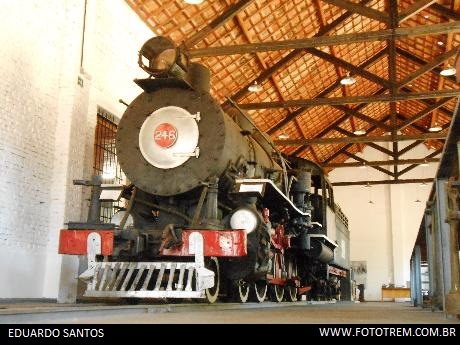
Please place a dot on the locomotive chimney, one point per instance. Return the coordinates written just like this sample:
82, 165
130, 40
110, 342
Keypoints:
199, 77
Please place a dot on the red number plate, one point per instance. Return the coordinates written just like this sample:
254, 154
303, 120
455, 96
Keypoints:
165, 135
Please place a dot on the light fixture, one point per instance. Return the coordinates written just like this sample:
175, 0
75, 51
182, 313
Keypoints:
283, 136
347, 80
368, 185
359, 132
435, 128
424, 164
193, 2
418, 200
362, 166
440, 43
423, 184
255, 87
410, 85
426, 16
448, 71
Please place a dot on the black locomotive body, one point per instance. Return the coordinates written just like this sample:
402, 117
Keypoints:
214, 209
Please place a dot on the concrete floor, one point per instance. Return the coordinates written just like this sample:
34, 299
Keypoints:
302, 312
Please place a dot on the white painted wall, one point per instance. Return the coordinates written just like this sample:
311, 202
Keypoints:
383, 233
48, 124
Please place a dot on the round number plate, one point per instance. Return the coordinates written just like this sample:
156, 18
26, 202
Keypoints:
165, 135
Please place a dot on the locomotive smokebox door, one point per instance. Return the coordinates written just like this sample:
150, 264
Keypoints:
169, 137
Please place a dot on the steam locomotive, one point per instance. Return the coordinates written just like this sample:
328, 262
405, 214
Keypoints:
213, 210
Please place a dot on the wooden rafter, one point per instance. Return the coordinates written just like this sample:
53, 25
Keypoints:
348, 66
410, 167
351, 100
446, 12
391, 42
419, 61
413, 9
296, 53
428, 110
428, 102
262, 63
335, 124
366, 162
362, 10
359, 139
363, 117
362, 160
369, 131
337, 153
410, 147
363, 183
319, 41
428, 67
324, 93
218, 22
417, 161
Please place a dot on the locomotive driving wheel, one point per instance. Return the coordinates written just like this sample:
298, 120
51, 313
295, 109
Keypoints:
212, 294
240, 291
275, 291
291, 289
259, 291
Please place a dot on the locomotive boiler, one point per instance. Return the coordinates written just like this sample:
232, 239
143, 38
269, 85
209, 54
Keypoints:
213, 209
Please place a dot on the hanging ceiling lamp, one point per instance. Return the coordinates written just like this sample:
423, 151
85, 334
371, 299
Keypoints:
348, 80
193, 2
359, 132
435, 128
283, 136
255, 87
448, 71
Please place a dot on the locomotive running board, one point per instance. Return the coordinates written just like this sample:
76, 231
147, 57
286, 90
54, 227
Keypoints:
152, 279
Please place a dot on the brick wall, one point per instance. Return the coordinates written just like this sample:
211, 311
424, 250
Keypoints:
47, 129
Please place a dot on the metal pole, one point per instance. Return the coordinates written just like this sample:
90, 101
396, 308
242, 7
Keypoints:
429, 251
418, 276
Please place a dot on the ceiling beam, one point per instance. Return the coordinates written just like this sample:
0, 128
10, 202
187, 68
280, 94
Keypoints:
428, 66
363, 117
420, 61
352, 68
335, 124
413, 9
364, 183
446, 12
263, 65
227, 15
363, 161
444, 110
381, 149
312, 42
351, 100
423, 113
359, 9
381, 163
409, 147
336, 154
391, 42
324, 93
413, 166
296, 53
359, 139
373, 145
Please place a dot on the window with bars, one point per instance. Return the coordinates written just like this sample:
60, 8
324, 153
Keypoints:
105, 159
